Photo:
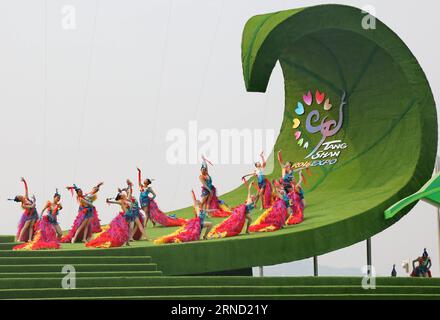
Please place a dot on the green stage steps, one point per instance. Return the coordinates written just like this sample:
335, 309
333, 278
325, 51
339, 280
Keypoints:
118, 273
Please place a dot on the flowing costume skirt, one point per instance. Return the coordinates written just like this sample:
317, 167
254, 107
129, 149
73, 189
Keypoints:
188, 232
83, 213
45, 237
115, 234
272, 219
231, 226
161, 218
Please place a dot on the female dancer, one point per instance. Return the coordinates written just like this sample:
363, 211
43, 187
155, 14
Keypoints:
264, 186
273, 218
192, 230
86, 222
117, 233
53, 209
48, 232
133, 214
151, 209
233, 225
29, 217
144, 199
210, 201
286, 173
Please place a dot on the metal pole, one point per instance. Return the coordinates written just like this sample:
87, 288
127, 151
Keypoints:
369, 255
436, 170
315, 266
261, 271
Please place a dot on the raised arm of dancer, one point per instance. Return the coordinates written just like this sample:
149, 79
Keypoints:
96, 188
129, 189
26, 190
248, 175
280, 159
263, 161
300, 178
141, 187
110, 201
249, 192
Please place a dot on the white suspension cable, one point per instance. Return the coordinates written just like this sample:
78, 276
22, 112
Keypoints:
86, 92
45, 84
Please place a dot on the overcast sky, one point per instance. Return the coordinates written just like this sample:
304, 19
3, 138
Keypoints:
93, 102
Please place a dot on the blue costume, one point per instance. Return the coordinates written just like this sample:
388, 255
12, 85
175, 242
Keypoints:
89, 211
206, 190
88, 208
301, 193
260, 179
132, 212
33, 215
144, 198
52, 218
202, 217
286, 200
287, 180
250, 207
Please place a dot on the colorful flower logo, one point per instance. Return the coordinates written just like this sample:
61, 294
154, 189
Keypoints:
313, 124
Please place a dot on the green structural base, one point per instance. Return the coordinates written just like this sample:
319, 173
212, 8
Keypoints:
389, 130
430, 192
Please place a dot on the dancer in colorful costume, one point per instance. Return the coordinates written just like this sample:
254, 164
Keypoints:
423, 267
86, 222
144, 198
133, 214
286, 173
26, 225
48, 232
233, 225
288, 179
296, 197
151, 209
264, 185
273, 218
192, 229
117, 233
210, 201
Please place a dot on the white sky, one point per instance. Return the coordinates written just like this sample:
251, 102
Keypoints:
92, 103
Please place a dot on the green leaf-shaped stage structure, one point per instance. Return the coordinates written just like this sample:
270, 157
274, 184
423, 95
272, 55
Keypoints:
388, 134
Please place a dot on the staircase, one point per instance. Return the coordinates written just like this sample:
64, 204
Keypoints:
122, 273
